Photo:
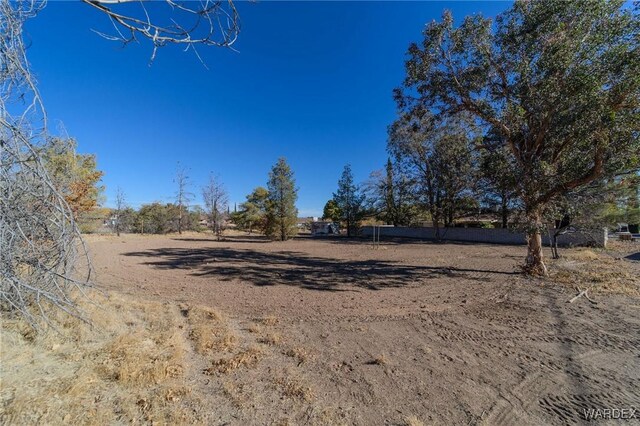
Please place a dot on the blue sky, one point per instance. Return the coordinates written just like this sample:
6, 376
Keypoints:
311, 81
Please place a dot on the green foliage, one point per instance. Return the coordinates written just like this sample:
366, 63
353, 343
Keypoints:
253, 213
498, 177
153, 218
93, 221
127, 219
438, 155
350, 201
282, 214
74, 175
559, 80
157, 218
331, 211
604, 203
391, 195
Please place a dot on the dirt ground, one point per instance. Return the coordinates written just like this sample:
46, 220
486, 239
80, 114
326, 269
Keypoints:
337, 332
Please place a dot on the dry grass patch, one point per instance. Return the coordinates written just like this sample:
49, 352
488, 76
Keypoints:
269, 320
129, 366
209, 330
292, 387
582, 254
208, 339
246, 358
413, 421
598, 271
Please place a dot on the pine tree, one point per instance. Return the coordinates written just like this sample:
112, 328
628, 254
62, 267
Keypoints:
281, 209
350, 201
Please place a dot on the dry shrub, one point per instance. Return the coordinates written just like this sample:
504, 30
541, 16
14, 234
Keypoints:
128, 366
200, 314
380, 360
245, 358
292, 387
413, 421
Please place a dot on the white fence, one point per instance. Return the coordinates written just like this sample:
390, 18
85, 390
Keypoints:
485, 235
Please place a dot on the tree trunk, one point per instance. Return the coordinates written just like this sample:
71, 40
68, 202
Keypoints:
435, 221
505, 213
535, 262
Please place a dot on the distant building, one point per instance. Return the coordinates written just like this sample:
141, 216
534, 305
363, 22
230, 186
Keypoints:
324, 228
305, 222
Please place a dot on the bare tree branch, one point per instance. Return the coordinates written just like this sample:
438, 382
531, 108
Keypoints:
205, 22
39, 239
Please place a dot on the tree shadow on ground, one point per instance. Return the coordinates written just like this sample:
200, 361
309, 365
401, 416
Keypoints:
298, 269
634, 257
235, 239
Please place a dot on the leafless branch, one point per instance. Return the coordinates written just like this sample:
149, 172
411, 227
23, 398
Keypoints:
204, 22
216, 201
40, 244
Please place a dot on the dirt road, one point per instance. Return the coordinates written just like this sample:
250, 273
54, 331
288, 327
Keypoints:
448, 333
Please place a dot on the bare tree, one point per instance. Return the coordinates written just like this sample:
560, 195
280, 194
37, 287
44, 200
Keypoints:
40, 244
216, 201
183, 196
121, 204
391, 194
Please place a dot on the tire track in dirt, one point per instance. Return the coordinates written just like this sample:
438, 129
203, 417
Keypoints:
524, 342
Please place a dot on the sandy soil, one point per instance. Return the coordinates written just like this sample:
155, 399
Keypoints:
446, 333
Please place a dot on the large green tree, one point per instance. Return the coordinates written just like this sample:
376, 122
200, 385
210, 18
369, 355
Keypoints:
497, 177
558, 79
331, 211
439, 157
282, 214
253, 212
350, 201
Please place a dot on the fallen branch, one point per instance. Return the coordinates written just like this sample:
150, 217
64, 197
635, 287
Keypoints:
583, 293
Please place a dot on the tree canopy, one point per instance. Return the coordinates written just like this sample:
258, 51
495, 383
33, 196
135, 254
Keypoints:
331, 211
74, 175
282, 213
253, 212
558, 80
350, 201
